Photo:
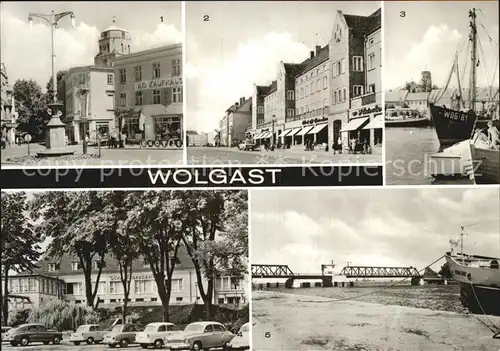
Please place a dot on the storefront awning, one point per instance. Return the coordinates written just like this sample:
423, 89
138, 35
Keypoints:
304, 130
376, 123
293, 132
355, 124
285, 132
263, 135
317, 129
257, 136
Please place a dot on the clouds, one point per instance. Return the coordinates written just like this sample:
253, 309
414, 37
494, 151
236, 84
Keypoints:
27, 52
219, 82
400, 227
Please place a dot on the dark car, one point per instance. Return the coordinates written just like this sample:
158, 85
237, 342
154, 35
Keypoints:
4, 331
29, 333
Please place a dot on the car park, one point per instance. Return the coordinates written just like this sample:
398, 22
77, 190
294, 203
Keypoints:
89, 333
26, 334
241, 340
156, 335
201, 335
122, 334
4, 331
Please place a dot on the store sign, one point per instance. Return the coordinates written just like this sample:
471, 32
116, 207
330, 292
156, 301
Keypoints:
315, 120
366, 111
159, 83
135, 277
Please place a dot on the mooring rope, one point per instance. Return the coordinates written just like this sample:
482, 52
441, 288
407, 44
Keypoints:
492, 325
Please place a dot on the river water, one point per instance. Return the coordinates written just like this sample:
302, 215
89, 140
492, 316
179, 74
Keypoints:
407, 156
429, 296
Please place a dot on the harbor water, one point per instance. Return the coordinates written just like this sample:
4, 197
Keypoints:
407, 157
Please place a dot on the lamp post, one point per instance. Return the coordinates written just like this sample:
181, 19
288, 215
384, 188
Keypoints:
55, 135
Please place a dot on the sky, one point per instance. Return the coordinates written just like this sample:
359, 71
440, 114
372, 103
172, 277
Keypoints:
242, 43
435, 31
27, 52
375, 227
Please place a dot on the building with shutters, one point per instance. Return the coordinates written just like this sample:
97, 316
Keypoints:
63, 279
148, 93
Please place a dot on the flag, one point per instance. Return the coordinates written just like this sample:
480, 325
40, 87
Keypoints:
142, 120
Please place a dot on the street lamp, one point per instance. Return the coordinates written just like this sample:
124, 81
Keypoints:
272, 139
55, 135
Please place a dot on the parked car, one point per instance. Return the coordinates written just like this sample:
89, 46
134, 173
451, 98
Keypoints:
29, 333
4, 331
247, 146
89, 333
201, 335
122, 334
241, 340
156, 334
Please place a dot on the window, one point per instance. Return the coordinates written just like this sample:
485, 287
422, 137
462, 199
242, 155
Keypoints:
339, 68
141, 286
289, 112
342, 66
156, 97
220, 300
138, 97
301, 93
290, 95
325, 82
178, 299
176, 94
318, 84
122, 47
219, 328
357, 90
371, 61
123, 75
99, 264
307, 90
52, 267
138, 73
357, 63
312, 88
371, 41
177, 285
114, 287
156, 70
335, 97
345, 94
110, 79
82, 78
123, 99
176, 67
372, 88
209, 328
260, 109
75, 266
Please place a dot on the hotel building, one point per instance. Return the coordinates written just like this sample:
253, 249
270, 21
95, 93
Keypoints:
8, 109
63, 279
148, 94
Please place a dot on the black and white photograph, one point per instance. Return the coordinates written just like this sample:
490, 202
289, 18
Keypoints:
129, 269
91, 84
376, 269
284, 83
441, 92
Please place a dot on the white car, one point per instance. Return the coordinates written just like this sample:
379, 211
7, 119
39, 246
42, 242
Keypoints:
89, 333
241, 340
156, 334
247, 146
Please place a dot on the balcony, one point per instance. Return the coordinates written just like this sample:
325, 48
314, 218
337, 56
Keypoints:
311, 114
368, 99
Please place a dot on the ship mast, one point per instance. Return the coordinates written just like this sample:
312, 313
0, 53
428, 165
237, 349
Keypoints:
473, 38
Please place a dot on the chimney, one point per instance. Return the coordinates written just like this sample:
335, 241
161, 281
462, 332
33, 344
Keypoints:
318, 49
312, 54
236, 105
242, 101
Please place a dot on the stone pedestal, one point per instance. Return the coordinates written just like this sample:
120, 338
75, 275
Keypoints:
55, 141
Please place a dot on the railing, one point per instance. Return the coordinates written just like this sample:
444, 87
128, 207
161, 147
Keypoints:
315, 113
368, 99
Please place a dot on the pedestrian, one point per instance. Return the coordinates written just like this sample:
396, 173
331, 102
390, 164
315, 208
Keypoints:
339, 144
493, 136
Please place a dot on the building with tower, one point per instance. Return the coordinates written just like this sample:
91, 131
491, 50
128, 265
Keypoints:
426, 81
114, 42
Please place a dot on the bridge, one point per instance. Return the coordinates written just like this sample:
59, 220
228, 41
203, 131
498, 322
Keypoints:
379, 272
283, 271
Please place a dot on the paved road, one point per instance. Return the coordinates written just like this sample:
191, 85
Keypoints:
66, 346
130, 156
222, 155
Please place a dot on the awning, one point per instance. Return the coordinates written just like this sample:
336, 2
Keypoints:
318, 128
305, 130
257, 136
376, 123
355, 124
266, 135
285, 132
293, 132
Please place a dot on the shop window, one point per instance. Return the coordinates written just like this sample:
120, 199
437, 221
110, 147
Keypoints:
138, 97
123, 75
138, 73
156, 70
156, 97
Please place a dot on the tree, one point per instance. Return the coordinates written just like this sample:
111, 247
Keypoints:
155, 218
78, 225
216, 237
31, 106
19, 244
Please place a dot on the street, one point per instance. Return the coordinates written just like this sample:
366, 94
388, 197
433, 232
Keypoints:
233, 156
16, 156
67, 346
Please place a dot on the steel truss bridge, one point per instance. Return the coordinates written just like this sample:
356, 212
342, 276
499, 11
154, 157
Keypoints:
379, 272
271, 271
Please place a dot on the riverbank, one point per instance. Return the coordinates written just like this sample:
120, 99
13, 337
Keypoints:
300, 322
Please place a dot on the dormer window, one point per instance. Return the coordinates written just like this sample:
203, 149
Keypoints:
53, 267
75, 266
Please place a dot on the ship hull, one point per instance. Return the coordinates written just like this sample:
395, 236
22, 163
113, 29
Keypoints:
467, 274
452, 126
480, 299
487, 164
410, 122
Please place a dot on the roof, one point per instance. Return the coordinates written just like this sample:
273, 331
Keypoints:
112, 266
204, 323
262, 90
292, 69
149, 51
113, 27
272, 88
364, 24
395, 95
310, 63
191, 132
161, 323
417, 96
234, 108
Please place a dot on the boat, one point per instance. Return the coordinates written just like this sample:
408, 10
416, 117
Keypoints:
479, 279
457, 123
405, 118
486, 162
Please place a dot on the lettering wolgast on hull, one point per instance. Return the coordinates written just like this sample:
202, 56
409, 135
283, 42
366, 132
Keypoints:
452, 126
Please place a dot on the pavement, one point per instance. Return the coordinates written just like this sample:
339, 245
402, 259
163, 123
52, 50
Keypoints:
16, 156
233, 156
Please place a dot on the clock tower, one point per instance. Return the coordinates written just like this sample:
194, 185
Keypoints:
113, 42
